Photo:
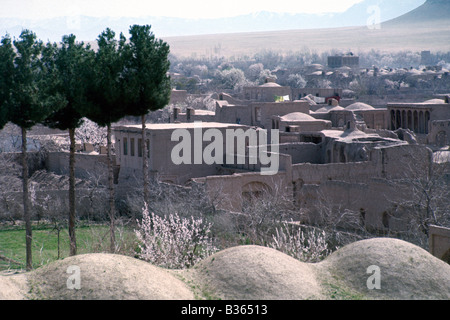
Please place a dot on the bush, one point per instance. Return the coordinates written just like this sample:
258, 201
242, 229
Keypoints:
173, 242
308, 246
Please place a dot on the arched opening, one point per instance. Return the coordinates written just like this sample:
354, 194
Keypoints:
398, 120
421, 122
427, 121
254, 191
416, 122
404, 124
392, 120
410, 125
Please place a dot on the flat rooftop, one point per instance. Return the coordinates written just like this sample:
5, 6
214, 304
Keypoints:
419, 104
180, 125
354, 134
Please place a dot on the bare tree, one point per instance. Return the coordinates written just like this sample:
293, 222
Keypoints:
263, 209
423, 196
9, 181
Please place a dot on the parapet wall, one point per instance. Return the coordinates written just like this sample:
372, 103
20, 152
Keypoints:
227, 191
349, 172
86, 165
303, 152
439, 241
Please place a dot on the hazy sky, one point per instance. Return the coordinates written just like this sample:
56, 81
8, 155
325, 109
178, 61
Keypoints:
27, 9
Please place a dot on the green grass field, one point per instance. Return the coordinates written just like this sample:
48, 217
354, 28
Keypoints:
94, 238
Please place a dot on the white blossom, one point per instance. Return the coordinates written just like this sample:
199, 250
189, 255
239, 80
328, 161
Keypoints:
173, 242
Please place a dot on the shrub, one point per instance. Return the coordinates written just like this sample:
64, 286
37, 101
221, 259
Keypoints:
173, 242
306, 246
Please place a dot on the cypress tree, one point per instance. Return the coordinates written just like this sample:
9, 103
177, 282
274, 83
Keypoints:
69, 66
106, 96
147, 83
27, 105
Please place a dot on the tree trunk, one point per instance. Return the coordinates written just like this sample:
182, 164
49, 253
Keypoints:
26, 202
72, 214
112, 206
145, 163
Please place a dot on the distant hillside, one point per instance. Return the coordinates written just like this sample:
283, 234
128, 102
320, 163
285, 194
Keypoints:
405, 25
358, 14
88, 28
424, 28
431, 12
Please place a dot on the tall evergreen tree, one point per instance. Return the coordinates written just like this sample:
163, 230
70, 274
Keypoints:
147, 83
68, 67
6, 77
106, 95
27, 106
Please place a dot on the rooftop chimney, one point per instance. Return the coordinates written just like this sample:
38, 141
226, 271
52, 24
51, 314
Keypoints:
176, 111
189, 113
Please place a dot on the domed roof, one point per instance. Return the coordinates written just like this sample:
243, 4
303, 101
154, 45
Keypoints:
297, 116
415, 72
270, 84
327, 109
336, 108
359, 106
434, 101
316, 66
400, 71
323, 109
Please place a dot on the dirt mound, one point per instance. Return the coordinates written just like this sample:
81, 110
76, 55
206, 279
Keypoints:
13, 287
252, 272
107, 277
247, 273
406, 271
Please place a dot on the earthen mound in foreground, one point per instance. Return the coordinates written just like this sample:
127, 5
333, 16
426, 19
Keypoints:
254, 272
406, 271
247, 273
107, 277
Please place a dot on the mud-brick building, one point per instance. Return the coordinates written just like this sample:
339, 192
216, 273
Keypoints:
160, 144
429, 120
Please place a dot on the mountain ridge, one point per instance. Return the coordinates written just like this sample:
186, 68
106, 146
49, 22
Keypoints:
432, 11
416, 30
88, 28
